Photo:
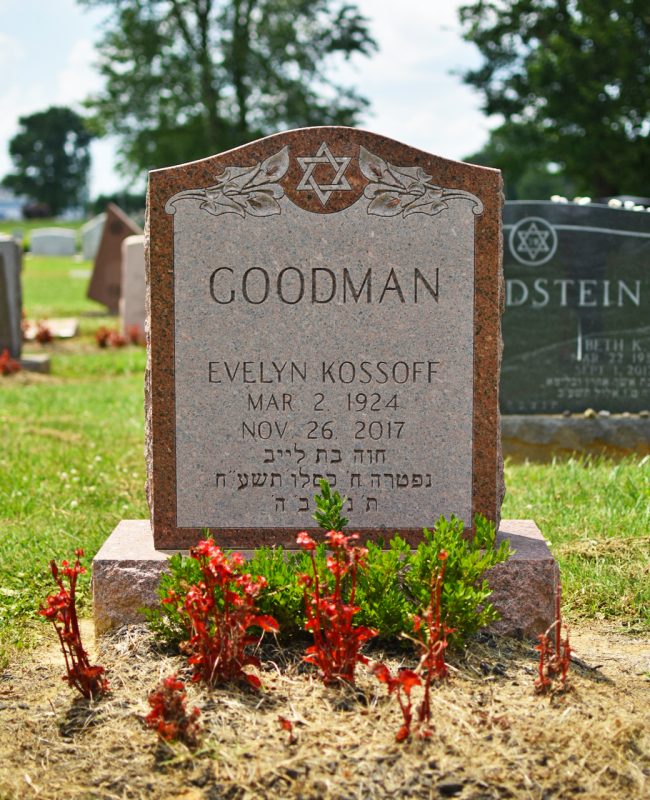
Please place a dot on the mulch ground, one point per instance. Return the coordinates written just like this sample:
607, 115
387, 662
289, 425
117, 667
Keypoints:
492, 736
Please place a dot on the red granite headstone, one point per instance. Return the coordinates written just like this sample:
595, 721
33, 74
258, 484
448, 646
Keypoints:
323, 303
106, 280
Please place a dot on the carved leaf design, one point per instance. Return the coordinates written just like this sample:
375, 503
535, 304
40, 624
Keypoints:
221, 204
395, 191
386, 204
242, 190
373, 189
261, 204
275, 166
371, 166
430, 202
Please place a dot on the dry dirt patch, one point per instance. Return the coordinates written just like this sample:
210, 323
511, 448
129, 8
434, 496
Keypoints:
492, 737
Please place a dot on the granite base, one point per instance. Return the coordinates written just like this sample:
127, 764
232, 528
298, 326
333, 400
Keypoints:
127, 569
36, 362
542, 437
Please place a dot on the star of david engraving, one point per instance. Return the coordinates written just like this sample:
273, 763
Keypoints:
533, 241
323, 190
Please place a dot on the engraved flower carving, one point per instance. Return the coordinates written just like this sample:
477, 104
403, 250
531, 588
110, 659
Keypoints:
242, 190
394, 191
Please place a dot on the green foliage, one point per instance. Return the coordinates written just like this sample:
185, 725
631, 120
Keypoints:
329, 506
515, 152
397, 583
129, 202
465, 591
187, 79
563, 102
385, 605
283, 597
51, 155
394, 585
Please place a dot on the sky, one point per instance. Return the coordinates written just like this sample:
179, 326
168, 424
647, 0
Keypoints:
47, 53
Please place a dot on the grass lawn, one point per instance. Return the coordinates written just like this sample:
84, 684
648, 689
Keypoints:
56, 287
72, 467
26, 226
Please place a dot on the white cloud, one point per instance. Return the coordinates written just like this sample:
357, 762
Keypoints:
73, 83
16, 102
104, 178
11, 52
78, 78
414, 95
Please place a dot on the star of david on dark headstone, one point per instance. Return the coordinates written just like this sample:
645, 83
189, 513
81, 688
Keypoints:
533, 241
323, 191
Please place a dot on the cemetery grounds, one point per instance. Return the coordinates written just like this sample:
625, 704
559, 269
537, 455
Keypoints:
72, 467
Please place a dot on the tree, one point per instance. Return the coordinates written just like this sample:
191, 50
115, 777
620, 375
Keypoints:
515, 151
129, 202
571, 79
51, 158
189, 78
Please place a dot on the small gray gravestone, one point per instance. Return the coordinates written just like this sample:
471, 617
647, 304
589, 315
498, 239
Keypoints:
10, 296
333, 312
132, 303
321, 303
53, 242
91, 235
577, 323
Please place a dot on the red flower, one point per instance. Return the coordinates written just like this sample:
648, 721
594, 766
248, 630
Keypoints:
60, 609
305, 541
219, 611
330, 616
168, 715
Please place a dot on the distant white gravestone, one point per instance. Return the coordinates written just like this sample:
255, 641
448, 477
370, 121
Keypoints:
132, 302
91, 236
53, 242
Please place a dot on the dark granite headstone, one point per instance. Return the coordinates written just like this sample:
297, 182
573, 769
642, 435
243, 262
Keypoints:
576, 327
10, 296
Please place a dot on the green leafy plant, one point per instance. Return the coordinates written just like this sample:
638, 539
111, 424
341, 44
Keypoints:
381, 591
394, 585
465, 605
329, 507
282, 597
397, 582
